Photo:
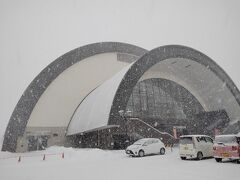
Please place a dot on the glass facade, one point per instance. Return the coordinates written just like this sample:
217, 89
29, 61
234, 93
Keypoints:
162, 99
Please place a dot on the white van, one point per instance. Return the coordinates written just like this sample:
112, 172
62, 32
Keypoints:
195, 147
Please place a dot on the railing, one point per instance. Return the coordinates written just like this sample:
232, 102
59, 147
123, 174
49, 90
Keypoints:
137, 119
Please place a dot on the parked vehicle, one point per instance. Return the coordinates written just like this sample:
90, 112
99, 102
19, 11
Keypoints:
195, 147
146, 146
227, 147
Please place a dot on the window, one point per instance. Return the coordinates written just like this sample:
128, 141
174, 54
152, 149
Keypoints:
209, 139
198, 139
238, 140
202, 139
186, 140
148, 142
37, 142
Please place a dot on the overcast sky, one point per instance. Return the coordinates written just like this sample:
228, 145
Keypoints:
34, 33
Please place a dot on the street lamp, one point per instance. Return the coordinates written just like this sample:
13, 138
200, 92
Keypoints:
121, 113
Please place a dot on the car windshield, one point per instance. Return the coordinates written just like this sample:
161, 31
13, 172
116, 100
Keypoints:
185, 140
140, 142
225, 139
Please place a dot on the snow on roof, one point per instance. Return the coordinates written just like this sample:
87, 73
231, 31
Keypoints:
148, 138
194, 135
94, 110
228, 135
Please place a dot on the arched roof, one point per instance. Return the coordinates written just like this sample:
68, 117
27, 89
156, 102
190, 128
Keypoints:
40, 84
190, 68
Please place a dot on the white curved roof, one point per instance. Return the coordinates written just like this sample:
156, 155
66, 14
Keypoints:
58, 102
93, 112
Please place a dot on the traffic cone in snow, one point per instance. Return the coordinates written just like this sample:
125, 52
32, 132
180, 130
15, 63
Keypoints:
63, 155
44, 157
19, 159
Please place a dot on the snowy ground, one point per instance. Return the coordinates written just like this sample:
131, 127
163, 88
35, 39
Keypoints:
100, 164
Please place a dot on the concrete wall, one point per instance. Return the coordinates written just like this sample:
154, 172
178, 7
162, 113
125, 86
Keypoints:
56, 137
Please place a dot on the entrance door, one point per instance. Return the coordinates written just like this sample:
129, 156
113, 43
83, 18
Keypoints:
32, 143
120, 141
37, 143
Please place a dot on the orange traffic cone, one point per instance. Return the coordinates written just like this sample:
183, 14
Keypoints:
63, 155
44, 157
19, 159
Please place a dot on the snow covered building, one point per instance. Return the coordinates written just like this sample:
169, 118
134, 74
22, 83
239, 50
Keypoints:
107, 94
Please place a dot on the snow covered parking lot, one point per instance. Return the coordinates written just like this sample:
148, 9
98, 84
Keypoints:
102, 164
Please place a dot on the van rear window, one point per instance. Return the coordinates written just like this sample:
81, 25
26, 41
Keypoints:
238, 140
186, 140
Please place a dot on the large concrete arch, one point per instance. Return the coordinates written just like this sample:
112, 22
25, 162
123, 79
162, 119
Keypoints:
34, 91
162, 54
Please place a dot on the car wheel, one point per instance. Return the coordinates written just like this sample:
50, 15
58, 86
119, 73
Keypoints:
218, 159
199, 156
141, 153
183, 158
162, 151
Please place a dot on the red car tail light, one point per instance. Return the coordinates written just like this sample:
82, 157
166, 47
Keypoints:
234, 148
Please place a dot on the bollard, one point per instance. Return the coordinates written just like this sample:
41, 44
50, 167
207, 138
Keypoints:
19, 159
63, 155
44, 157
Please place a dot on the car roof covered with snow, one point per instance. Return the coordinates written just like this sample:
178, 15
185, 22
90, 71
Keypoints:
228, 135
195, 135
146, 139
